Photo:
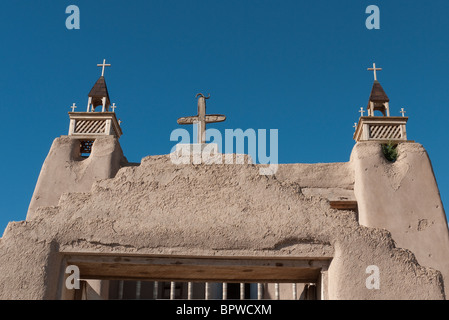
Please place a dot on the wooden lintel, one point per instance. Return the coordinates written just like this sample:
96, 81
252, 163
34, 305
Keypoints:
202, 269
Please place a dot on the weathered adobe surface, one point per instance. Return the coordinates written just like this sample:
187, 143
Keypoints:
227, 210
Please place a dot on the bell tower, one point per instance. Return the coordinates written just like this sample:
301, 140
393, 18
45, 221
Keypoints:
378, 99
89, 125
99, 95
89, 152
395, 186
383, 128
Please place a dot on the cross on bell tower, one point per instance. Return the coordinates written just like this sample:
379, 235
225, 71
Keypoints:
380, 128
103, 65
378, 99
374, 69
98, 95
87, 126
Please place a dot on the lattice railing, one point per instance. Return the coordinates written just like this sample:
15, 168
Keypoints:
381, 129
387, 131
90, 126
93, 124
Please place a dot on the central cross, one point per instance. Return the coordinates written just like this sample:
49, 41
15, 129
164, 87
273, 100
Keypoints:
375, 69
103, 65
202, 118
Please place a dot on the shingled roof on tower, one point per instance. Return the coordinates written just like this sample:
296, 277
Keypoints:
377, 93
98, 92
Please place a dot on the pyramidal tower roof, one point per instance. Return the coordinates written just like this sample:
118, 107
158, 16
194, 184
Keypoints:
377, 93
99, 95
99, 91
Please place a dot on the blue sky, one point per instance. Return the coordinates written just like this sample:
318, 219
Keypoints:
296, 66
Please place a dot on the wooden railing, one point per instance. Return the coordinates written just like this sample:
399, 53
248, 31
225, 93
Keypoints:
381, 129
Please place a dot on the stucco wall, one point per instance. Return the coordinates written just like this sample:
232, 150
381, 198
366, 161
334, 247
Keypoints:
211, 210
64, 170
403, 197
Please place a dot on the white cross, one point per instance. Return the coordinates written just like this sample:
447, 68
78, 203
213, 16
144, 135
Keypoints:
362, 111
103, 65
374, 69
73, 107
355, 125
402, 111
113, 107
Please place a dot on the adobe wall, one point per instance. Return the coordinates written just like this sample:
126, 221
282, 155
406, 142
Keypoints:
403, 197
64, 170
212, 210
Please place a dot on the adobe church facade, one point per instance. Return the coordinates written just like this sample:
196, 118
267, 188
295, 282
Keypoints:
369, 228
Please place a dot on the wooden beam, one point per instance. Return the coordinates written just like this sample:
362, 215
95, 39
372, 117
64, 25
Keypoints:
197, 269
344, 204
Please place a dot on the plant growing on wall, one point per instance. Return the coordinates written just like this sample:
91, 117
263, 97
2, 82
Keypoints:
390, 151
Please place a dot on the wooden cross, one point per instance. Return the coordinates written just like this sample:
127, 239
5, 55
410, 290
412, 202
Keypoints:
362, 111
202, 118
402, 111
73, 107
103, 65
374, 69
113, 107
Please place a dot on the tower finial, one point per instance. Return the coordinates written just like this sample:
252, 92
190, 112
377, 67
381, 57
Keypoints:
103, 65
374, 69
98, 95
